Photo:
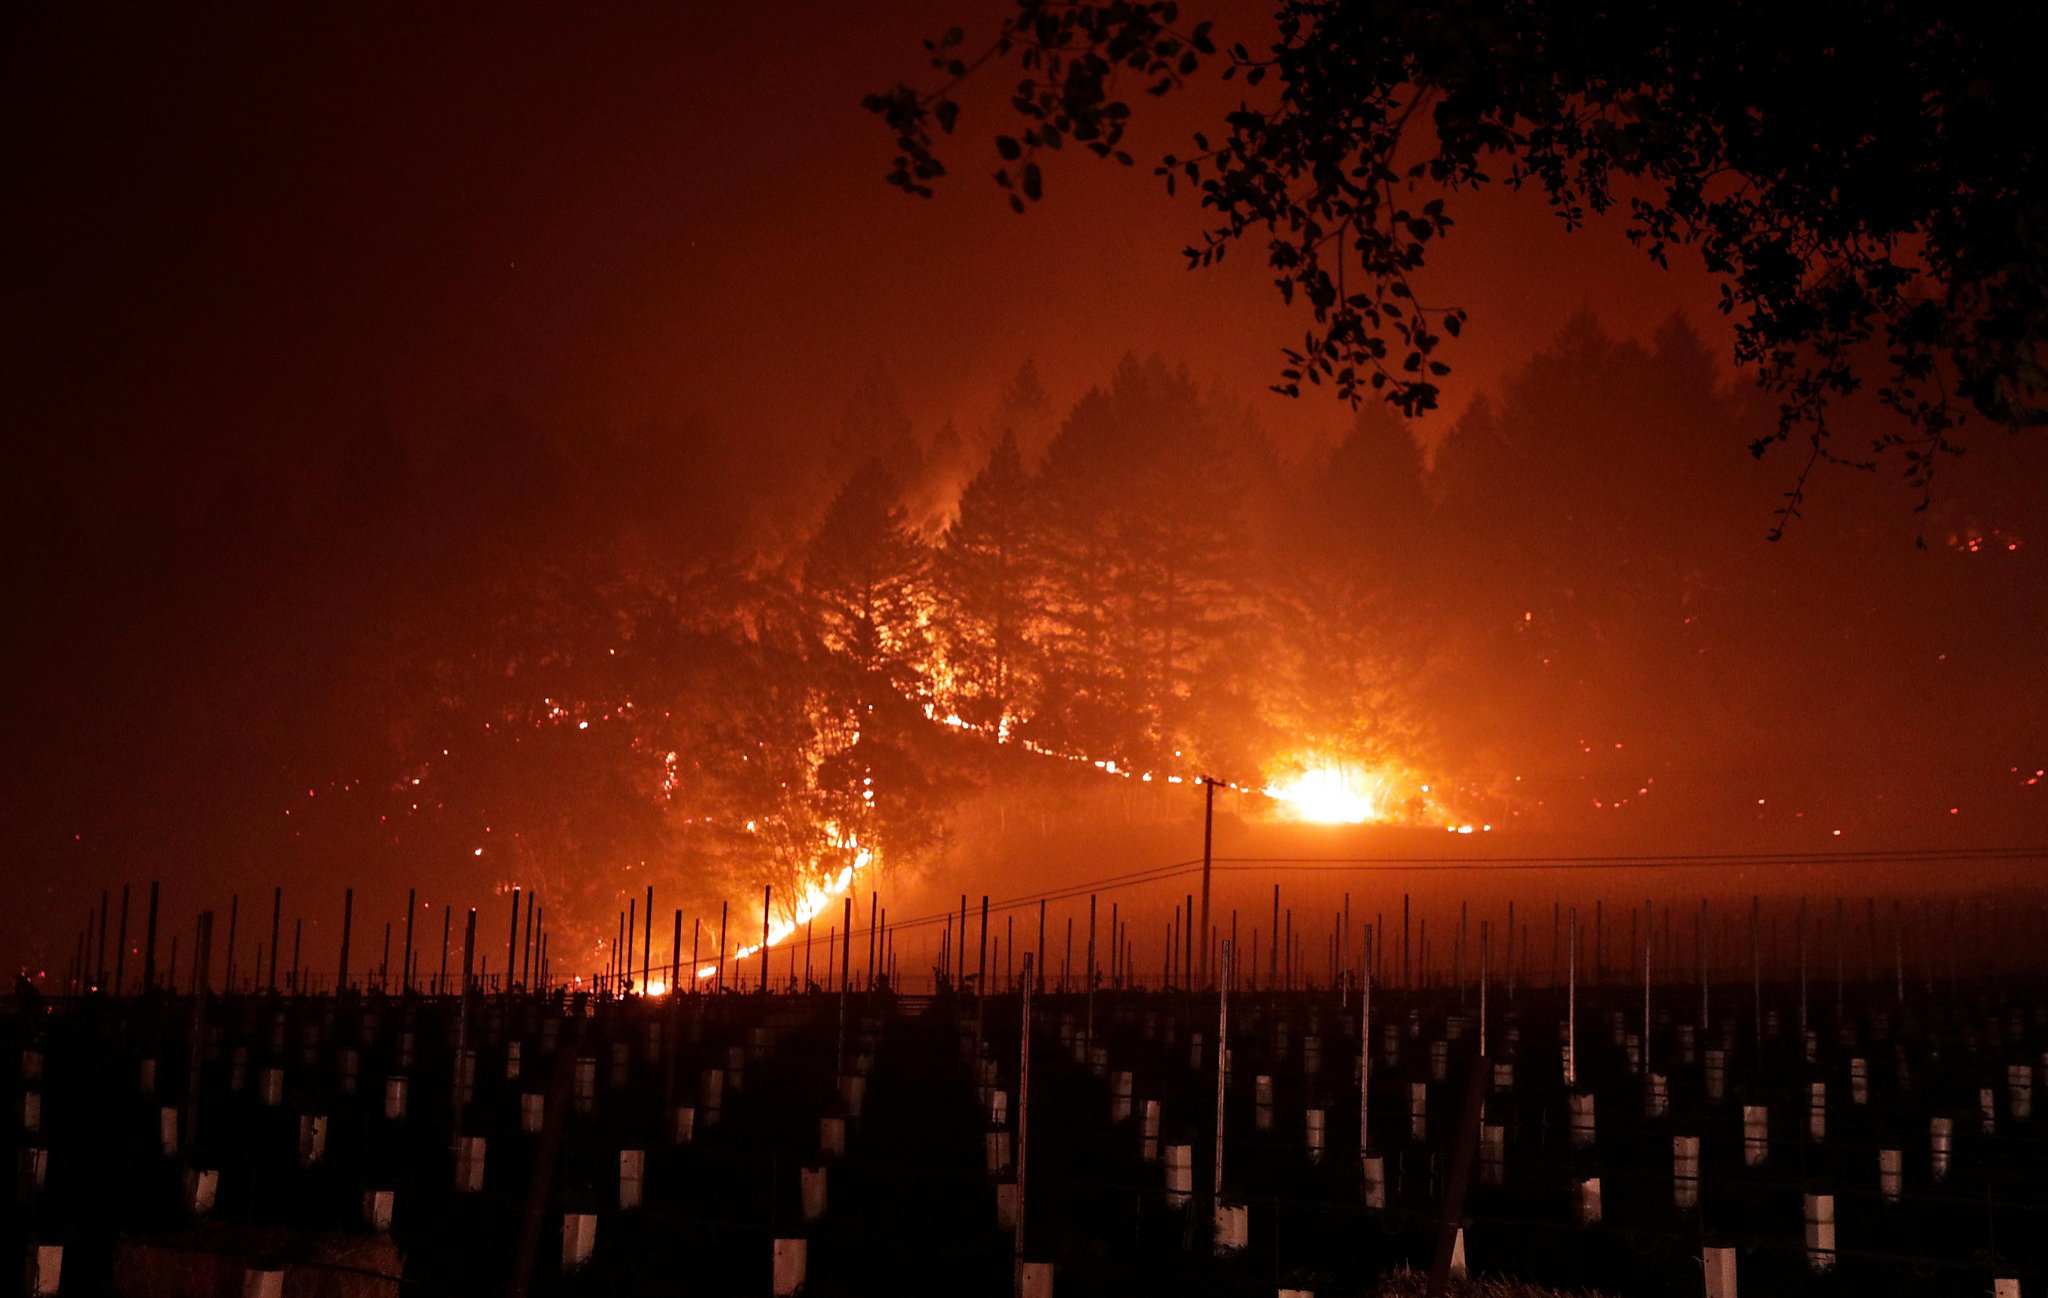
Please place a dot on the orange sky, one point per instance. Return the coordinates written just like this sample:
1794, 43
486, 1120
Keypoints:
257, 229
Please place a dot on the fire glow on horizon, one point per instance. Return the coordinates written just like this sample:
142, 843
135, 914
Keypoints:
1320, 794
1319, 791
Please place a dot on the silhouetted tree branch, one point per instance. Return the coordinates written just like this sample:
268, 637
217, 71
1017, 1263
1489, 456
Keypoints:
1861, 178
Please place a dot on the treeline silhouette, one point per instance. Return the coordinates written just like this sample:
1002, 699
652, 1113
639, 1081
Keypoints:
1566, 613
587, 663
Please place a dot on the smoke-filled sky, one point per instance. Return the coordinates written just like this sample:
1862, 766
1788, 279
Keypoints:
306, 309
245, 231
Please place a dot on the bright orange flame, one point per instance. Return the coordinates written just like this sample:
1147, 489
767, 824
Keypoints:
1327, 795
817, 896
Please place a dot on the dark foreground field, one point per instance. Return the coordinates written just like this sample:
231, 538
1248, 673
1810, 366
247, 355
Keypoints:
730, 1105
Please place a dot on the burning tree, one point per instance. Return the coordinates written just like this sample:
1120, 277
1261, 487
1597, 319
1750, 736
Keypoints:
799, 724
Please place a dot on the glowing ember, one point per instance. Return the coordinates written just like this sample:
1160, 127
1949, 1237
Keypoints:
1326, 795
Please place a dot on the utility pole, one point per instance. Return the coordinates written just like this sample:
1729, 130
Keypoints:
1208, 844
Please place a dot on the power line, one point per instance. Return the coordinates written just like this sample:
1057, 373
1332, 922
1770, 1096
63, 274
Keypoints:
1112, 883
1433, 864
1694, 861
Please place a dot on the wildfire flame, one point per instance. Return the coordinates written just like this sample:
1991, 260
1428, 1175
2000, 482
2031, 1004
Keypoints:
818, 894
1328, 795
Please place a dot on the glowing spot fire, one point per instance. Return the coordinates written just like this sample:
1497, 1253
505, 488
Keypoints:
1326, 795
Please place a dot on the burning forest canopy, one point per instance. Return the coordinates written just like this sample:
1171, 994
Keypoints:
1559, 624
